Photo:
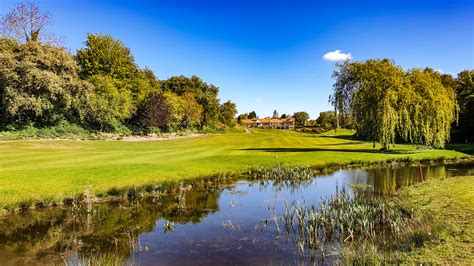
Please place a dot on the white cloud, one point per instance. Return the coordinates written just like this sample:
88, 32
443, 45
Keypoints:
439, 71
259, 100
336, 56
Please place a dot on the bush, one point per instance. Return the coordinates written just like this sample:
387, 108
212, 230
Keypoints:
63, 130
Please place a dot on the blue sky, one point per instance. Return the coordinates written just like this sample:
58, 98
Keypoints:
267, 55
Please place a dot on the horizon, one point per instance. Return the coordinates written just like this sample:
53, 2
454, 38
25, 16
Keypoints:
269, 57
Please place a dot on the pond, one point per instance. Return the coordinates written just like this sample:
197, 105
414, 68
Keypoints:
228, 224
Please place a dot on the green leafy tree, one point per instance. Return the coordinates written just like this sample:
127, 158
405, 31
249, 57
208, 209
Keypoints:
327, 120
301, 118
39, 83
373, 89
107, 106
433, 109
385, 102
227, 113
275, 114
464, 87
104, 55
242, 117
252, 115
205, 95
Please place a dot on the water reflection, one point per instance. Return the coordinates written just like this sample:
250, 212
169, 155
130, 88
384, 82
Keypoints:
208, 225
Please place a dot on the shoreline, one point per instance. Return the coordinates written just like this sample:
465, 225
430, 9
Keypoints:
167, 187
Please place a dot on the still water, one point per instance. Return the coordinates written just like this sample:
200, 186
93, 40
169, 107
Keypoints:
228, 224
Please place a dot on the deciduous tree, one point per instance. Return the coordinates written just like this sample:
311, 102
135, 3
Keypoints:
26, 22
301, 118
227, 113
39, 83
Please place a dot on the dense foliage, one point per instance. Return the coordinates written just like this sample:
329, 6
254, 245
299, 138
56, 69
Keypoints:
386, 103
99, 88
301, 118
463, 131
326, 120
102, 89
39, 84
251, 115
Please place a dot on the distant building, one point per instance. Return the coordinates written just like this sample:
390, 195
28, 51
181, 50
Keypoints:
283, 123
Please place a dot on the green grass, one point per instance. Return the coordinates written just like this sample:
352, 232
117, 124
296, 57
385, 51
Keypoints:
448, 207
45, 171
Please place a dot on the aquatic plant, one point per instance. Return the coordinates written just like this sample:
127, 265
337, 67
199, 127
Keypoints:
343, 219
284, 175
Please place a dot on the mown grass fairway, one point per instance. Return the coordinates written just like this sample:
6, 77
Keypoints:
49, 170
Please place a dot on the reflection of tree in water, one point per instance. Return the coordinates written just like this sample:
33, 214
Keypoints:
389, 180
191, 206
110, 228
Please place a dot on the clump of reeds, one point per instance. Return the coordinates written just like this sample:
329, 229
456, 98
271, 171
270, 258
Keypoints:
343, 219
284, 174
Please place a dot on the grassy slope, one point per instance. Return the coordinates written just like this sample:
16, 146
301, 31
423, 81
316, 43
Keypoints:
449, 204
52, 170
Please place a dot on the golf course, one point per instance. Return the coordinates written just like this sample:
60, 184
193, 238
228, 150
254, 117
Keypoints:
47, 171
236, 133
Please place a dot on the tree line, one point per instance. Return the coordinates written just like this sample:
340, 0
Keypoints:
325, 121
100, 87
386, 103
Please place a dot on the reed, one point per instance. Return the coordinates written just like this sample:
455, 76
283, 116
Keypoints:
342, 219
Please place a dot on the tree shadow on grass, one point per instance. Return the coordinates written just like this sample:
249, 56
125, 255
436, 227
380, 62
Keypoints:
346, 137
341, 144
330, 149
467, 148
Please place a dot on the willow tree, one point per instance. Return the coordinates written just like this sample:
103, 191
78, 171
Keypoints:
434, 110
371, 93
387, 103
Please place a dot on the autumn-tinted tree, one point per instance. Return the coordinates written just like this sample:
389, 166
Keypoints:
175, 105
301, 118
101, 87
154, 110
192, 111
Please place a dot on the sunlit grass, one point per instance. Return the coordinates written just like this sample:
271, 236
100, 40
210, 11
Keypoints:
45, 171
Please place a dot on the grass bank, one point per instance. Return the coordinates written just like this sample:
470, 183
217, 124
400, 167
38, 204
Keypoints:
435, 223
447, 207
47, 171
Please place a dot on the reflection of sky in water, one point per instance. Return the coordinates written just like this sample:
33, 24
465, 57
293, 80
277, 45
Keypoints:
207, 240
245, 205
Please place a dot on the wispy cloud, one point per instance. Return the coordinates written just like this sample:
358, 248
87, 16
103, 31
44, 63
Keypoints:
259, 100
337, 56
